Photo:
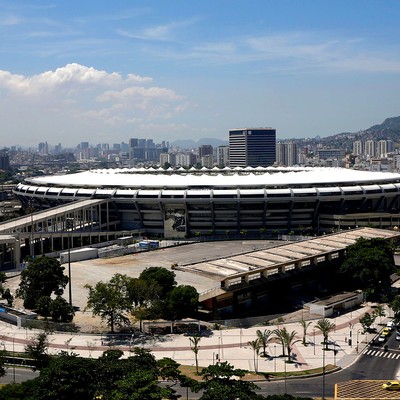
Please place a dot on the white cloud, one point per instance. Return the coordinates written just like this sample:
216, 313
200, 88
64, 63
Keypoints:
164, 32
92, 98
292, 51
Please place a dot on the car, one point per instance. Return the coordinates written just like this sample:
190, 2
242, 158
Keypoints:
386, 331
382, 338
397, 335
391, 385
390, 325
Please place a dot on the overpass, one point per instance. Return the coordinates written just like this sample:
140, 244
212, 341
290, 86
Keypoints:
78, 223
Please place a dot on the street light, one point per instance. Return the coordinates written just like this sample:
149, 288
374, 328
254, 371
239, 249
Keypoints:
32, 246
69, 226
314, 341
323, 373
358, 331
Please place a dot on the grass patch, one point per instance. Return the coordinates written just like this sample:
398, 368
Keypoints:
190, 372
328, 367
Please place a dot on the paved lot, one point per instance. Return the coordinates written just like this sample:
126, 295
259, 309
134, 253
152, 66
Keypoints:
92, 271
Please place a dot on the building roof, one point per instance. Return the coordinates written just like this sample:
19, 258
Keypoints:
270, 177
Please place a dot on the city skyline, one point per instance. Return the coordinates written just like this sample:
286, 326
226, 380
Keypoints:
174, 70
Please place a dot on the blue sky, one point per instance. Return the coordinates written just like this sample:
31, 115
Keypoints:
103, 71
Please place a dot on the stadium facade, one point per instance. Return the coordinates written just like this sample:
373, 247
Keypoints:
177, 203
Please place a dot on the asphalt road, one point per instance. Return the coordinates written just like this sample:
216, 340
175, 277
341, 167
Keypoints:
366, 367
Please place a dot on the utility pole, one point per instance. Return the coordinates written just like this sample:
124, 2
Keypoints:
69, 226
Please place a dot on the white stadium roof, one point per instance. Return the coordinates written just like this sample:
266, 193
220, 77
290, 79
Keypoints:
245, 177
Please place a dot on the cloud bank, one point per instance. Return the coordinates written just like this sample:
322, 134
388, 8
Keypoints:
95, 99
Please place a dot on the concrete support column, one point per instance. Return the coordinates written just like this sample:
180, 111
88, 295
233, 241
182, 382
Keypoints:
17, 253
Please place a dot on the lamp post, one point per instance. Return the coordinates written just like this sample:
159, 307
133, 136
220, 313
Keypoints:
14, 357
284, 361
314, 341
358, 331
69, 226
323, 373
32, 247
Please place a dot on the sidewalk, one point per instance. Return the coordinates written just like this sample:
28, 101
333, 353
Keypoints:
224, 345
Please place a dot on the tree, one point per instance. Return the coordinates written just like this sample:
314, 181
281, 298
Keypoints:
183, 301
37, 350
61, 310
367, 320
44, 276
163, 279
139, 385
68, 377
370, 262
305, 325
290, 340
286, 339
280, 336
395, 306
255, 345
194, 345
140, 293
43, 305
3, 354
325, 326
110, 301
220, 382
264, 338
379, 311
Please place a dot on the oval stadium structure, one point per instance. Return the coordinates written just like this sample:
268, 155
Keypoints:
179, 202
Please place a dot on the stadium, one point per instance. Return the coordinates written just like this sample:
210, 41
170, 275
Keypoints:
228, 202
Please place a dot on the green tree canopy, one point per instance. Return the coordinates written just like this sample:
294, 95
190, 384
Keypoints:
110, 301
395, 306
61, 310
183, 302
325, 326
370, 262
220, 382
44, 276
367, 320
37, 350
67, 377
161, 278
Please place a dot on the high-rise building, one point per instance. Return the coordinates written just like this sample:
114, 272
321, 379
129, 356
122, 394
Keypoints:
358, 148
205, 150
252, 147
222, 156
4, 160
286, 153
370, 148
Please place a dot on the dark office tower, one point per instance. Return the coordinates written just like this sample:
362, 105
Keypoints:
133, 142
4, 160
252, 147
205, 150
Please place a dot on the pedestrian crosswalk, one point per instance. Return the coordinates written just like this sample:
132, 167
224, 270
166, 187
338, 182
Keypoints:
381, 353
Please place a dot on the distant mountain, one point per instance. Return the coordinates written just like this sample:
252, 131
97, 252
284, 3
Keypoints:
389, 129
191, 144
392, 124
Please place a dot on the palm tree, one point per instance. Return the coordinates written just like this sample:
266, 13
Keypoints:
280, 336
194, 345
290, 340
305, 325
264, 338
325, 326
255, 345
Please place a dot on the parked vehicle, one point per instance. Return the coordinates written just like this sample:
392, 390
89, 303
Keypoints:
391, 385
